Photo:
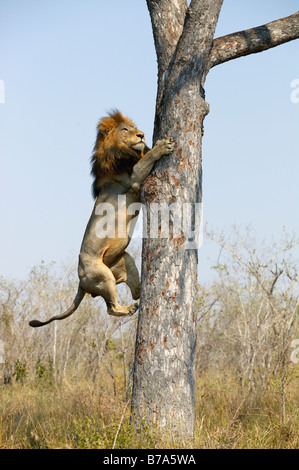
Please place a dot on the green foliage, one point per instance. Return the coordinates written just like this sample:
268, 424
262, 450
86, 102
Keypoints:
44, 372
41, 370
20, 370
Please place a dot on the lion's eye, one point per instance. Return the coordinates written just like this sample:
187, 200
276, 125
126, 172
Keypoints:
125, 129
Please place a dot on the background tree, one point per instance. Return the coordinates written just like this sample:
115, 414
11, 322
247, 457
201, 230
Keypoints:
249, 316
163, 386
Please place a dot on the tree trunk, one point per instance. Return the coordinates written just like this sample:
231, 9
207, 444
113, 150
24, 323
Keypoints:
163, 385
163, 378
164, 364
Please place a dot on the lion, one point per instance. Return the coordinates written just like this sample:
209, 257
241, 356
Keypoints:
120, 163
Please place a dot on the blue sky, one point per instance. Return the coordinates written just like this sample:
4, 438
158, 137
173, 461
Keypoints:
64, 63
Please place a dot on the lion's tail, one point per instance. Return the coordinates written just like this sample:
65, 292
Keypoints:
78, 299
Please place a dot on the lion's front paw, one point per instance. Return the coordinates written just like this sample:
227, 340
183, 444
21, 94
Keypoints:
164, 147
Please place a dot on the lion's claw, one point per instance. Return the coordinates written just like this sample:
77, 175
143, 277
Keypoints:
133, 309
165, 146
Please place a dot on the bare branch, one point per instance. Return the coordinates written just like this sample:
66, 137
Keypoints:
254, 40
276, 275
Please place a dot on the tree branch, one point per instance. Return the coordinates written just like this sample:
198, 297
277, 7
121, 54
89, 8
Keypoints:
254, 40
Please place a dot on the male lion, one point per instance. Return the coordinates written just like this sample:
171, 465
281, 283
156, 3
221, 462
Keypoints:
120, 163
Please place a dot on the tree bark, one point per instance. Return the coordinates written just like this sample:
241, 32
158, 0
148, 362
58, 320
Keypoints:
254, 40
163, 385
163, 378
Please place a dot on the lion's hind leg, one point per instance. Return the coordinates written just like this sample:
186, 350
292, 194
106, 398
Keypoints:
125, 270
101, 282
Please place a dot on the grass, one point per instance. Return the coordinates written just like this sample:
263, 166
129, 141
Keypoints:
39, 415
229, 417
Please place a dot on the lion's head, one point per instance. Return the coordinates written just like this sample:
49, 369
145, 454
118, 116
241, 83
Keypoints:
118, 147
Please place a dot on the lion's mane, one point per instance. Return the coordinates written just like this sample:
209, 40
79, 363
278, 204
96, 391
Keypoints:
110, 156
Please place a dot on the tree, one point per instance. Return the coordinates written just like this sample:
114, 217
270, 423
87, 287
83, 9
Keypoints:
163, 381
250, 315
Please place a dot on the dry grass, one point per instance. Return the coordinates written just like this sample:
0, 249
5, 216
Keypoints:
88, 415
233, 418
